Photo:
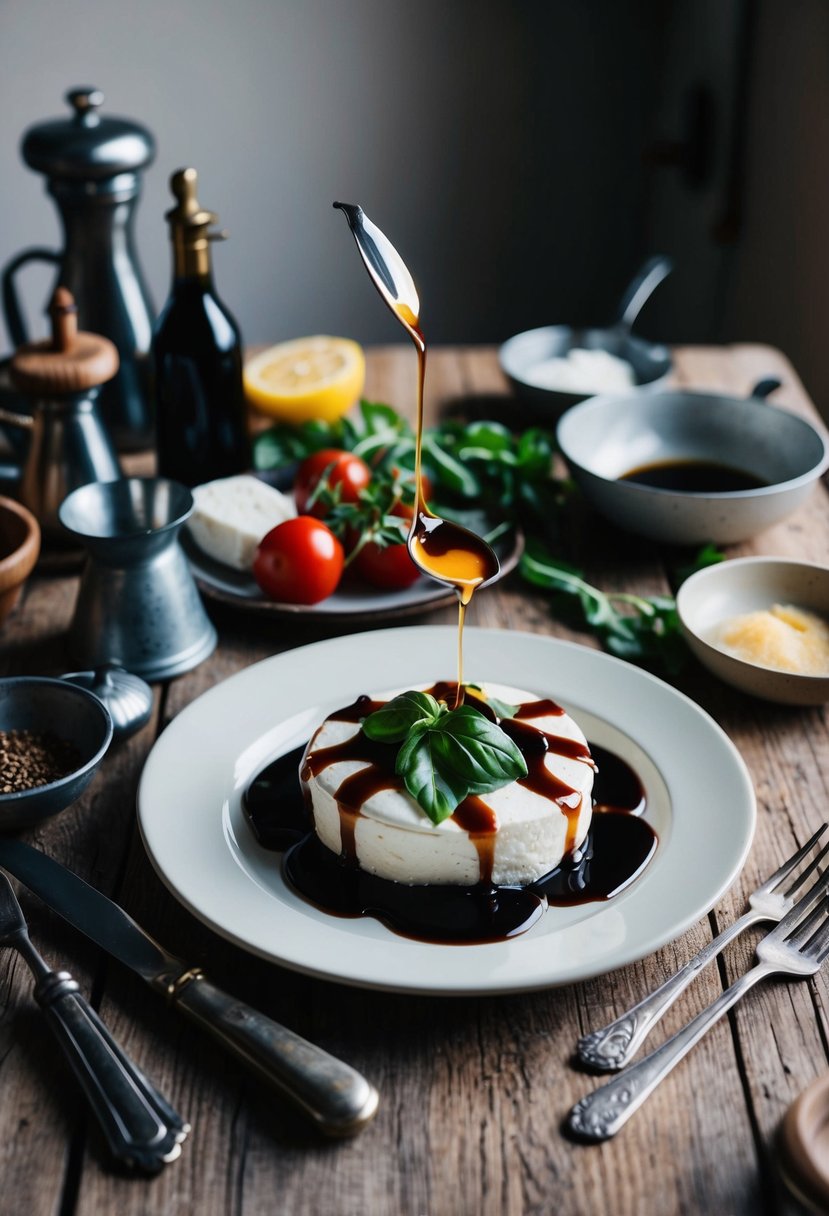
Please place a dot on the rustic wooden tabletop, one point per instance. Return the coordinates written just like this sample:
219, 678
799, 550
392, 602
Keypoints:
472, 1090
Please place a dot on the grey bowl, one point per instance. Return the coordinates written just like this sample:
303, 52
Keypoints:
72, 714
651, 362
606, 437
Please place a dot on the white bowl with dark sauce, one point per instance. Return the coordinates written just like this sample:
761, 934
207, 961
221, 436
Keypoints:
688, 468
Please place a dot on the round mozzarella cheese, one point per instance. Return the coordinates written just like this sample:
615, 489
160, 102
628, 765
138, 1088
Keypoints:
393, 838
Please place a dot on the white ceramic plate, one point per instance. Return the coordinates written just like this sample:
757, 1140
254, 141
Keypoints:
701, 804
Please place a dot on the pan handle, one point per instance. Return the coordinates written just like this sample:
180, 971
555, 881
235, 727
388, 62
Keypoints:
765, 387
641, 288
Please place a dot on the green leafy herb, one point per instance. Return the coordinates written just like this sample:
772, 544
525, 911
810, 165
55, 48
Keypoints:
501, 709
644, 629
478, 462
398, 717
445, 754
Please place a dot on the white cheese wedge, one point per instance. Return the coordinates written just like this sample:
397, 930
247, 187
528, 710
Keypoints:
233, 514
395, 839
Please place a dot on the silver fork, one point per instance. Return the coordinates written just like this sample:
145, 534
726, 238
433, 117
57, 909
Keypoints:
612, 1047
796, 947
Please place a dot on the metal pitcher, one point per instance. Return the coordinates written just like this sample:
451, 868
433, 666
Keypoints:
92, 164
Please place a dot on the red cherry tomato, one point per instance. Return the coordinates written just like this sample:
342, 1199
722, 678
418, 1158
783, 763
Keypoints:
388, 567
347, 471
299, 561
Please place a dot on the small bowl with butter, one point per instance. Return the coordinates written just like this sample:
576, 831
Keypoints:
761, 624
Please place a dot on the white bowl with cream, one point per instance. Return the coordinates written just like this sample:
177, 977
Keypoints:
722, 609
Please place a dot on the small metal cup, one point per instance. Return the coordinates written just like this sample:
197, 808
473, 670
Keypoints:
137, 605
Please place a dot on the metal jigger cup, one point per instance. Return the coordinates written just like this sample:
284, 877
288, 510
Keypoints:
137, 605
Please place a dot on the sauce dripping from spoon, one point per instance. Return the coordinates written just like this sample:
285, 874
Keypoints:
444, 550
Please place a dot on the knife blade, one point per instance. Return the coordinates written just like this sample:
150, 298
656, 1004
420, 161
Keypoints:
338, 1099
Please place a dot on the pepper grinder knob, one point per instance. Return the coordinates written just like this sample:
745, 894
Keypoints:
64, 313
85, 101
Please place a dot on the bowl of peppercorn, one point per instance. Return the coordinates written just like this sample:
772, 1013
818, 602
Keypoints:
53, 736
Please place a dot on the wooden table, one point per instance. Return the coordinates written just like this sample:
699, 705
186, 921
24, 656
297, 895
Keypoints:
472, 1090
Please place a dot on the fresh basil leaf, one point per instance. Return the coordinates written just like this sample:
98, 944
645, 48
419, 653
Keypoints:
395, 720
468, 744
435, 789
501, 709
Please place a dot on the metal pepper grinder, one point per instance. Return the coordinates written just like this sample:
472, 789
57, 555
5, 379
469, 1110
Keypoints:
68, 443
93, 163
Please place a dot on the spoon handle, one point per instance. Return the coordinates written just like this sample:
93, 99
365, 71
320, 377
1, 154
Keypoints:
141, 1128
642, 288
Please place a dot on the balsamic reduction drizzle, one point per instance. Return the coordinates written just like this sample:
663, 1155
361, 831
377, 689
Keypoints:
618, 846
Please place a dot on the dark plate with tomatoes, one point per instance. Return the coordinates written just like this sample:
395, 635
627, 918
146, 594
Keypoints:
353, 601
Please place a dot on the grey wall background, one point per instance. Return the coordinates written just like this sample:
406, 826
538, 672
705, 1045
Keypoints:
497, 143
506, 147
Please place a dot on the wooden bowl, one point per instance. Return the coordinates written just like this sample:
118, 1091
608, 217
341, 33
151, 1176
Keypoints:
19, 550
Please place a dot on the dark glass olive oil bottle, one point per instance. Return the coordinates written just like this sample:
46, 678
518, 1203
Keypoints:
197, 356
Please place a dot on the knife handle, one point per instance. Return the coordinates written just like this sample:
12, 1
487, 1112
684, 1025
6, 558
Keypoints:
338, 1099
141, 1128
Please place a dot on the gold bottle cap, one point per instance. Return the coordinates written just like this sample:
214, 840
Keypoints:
190, 225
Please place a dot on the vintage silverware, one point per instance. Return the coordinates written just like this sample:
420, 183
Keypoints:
796, 947
614, 1045
141, 1128
336, 1097
429, 534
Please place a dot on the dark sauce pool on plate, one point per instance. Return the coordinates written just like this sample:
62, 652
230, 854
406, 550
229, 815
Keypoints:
618, 847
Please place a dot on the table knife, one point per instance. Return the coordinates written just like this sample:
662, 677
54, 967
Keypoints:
337, 1098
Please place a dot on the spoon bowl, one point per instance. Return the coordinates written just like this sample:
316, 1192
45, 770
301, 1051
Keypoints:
437, 544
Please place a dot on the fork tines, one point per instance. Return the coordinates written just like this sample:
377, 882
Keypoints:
797, 925
789, 866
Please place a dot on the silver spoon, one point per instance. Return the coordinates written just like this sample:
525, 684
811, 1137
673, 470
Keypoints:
434, 544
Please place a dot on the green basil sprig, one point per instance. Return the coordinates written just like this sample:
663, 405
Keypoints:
445, 754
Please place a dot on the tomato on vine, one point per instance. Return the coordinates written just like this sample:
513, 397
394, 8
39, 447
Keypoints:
299, 561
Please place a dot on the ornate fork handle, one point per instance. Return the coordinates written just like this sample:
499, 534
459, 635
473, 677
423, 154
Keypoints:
601, 1114
612, 1047
141, 1128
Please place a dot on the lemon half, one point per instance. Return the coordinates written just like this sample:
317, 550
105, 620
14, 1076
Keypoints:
307, 378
